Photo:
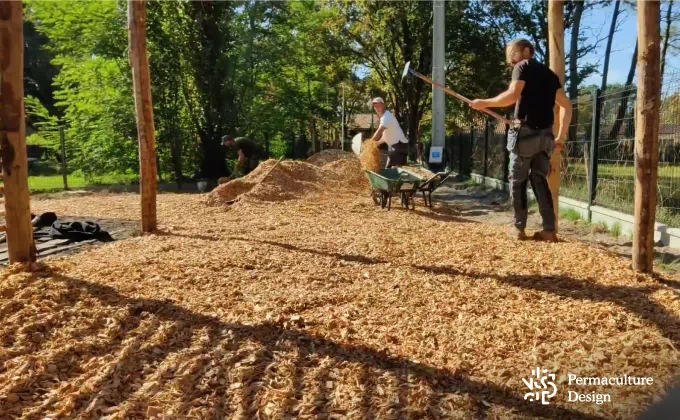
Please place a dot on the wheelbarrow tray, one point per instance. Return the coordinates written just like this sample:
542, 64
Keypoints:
394, 180
431, 184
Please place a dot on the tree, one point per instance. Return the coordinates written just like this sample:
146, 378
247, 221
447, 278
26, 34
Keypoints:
625, 94
608, 49
386, 35
670, 37
528, 19
579, 6
39, 72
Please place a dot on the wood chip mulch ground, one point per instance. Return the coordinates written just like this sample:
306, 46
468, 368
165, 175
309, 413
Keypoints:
325, 307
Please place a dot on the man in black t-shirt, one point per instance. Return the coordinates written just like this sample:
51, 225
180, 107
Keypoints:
249, 153
534, 90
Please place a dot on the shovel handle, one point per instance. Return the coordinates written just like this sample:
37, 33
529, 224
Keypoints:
268, 172
460, 97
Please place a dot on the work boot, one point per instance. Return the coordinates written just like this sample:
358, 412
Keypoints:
517, 233
546, 236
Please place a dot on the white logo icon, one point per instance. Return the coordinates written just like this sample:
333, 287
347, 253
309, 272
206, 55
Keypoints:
540, 387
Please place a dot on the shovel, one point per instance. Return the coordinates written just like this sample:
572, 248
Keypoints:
356, 144
408, 70
260, 181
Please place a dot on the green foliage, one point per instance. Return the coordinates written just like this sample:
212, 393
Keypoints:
615, 230
46, 124
263, 69
571, 215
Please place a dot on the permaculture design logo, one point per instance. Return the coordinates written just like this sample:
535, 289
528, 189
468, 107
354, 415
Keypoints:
539, 388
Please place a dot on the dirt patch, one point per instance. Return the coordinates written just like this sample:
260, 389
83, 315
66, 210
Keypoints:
485, 205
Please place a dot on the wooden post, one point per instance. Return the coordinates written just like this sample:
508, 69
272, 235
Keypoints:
145, 129
20, 243
646, 133
556, 49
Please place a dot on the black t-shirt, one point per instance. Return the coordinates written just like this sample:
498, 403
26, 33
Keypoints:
249, 148
535, 105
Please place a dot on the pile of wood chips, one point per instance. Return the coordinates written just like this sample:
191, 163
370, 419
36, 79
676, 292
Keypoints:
328, 156
290, 180
324, 308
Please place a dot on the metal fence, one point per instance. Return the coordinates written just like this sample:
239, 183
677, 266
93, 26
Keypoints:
599, 162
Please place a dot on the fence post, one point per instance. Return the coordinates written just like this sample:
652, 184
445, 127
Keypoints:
594, 142
62, 138
486, 148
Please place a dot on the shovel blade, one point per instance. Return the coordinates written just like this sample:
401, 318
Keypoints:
356, 144
407, 67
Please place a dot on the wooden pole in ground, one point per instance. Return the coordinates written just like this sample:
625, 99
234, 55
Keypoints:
646, 133
145, 129
20, 243
556, 49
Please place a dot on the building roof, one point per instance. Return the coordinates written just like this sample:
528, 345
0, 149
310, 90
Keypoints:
363, 121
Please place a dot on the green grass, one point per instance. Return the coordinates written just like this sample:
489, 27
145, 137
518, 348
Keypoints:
615, 230
571, 215
533, 204
56, 183
480, 186
671, 268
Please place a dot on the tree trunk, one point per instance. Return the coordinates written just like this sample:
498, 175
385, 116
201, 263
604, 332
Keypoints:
621, 113
666, 38
646, 134
556, 48
608, 50
141, 79
20, 244
573, 68
573, 53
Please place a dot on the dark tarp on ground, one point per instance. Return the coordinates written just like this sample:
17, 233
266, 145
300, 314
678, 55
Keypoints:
47, 227
79, 231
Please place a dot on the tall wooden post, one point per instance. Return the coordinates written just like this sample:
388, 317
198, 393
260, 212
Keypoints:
20, 243
556, 49
646, 133
145, 129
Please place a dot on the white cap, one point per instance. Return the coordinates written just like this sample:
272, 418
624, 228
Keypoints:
377, 100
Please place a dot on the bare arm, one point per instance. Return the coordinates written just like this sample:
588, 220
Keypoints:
562, 100
507, 98
241, 161
378, 135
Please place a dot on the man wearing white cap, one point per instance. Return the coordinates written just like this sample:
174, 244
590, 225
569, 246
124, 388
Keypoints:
390, 133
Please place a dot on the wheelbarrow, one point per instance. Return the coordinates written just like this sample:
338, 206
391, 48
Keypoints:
394, 181
431, 184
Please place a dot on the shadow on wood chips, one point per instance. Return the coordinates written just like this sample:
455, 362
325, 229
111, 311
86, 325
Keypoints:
203, 337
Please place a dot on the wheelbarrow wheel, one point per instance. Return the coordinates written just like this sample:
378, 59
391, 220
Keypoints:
404, 200
375, 195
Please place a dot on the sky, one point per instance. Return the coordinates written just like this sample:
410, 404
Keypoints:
596, 25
